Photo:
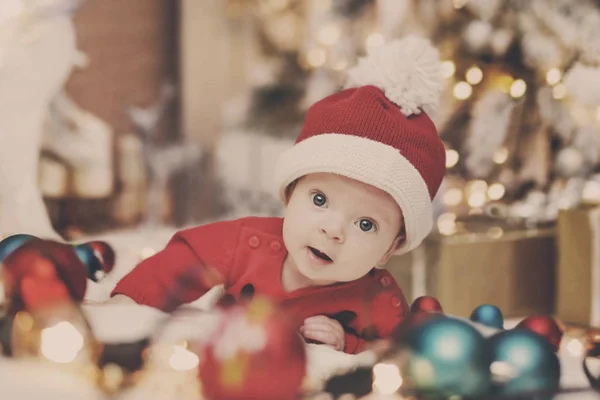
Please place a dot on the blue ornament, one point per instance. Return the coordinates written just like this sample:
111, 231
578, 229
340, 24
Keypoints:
488, 315
88, 257
447, 357
11, 243
523, 362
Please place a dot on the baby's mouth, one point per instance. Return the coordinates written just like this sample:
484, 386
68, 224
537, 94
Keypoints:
320, 255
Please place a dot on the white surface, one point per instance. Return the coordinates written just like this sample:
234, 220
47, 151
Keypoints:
120, 322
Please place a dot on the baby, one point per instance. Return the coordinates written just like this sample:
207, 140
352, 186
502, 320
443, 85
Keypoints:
357, 187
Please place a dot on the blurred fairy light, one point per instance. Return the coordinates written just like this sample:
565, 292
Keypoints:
61, 343
451, 158
329, 34
496, 191
386, 378
182, 359
273, 6
495, 232
453, 197
477, 195
477, 199
340, 65
474, 75
147, 252
446, 224
316, 57
553, 76
459, 3
322, 5
591, 191
374, 40
518, 88
500, 156
477, 185
575, 347
462, 90
448, 69
559, 91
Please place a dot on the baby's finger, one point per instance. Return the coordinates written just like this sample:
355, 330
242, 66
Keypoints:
326, 337
316, 319
321, 319
338, 337
323, 326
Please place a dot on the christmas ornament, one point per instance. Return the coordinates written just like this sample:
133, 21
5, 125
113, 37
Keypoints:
445, 357
40, 271
13, 242
255, 354
545, 326
98, 258
426, 304
523, 363
592, 352
488, 315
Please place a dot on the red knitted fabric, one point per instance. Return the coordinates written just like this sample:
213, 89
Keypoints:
367, 113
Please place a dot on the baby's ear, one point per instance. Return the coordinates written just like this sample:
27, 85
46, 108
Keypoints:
398, 241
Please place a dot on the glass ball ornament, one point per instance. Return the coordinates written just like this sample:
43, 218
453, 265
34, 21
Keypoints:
98, 258
11, 243
545, 326
256, 353
39, 272
445, 356
523, 363
488, 315
428, 304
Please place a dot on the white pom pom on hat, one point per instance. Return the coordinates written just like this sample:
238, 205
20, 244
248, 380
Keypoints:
377, 131
408, 71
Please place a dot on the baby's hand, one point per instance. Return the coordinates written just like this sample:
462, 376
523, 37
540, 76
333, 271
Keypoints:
325, 330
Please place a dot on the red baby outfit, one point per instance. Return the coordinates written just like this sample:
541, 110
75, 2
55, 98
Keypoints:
247, 255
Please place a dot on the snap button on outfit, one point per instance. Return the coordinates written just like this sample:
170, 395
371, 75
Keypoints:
254, 242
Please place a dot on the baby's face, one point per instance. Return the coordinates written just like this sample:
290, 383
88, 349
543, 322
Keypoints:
337, 229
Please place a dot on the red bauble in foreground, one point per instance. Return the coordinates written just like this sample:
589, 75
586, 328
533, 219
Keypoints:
255, 354
41, 272
545, 326
428, 304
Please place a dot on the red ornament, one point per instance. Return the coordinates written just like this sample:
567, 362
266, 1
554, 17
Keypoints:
545, 326
255, 354
427, 304
104, 253
412, 321
41, 272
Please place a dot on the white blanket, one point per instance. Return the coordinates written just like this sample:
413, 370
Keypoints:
119, 323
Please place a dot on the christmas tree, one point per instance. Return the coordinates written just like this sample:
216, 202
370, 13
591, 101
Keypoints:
520, 114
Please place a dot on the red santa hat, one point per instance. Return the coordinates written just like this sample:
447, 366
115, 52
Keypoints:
377, 131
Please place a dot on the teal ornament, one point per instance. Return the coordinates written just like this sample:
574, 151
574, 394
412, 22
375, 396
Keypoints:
524, 363
488, 315
446, 357
88, 257
11, 243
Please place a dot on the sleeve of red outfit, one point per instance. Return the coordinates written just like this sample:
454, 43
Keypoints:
354, 344
387, 309
192, 263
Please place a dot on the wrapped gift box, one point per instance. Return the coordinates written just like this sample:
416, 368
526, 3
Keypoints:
578, 271
483, 261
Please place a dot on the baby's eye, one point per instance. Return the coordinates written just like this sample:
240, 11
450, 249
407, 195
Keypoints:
366, 225
319, 199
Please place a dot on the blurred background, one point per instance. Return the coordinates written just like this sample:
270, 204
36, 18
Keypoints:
125, 116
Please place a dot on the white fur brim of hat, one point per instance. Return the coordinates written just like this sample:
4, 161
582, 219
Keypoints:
366, 161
